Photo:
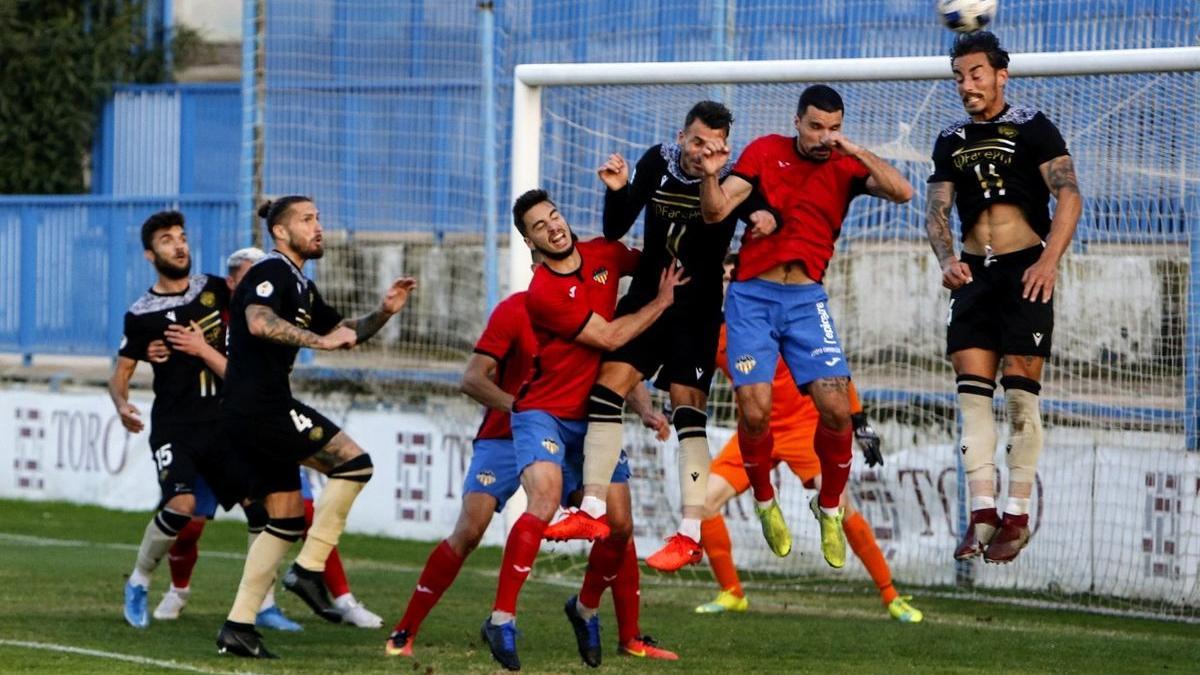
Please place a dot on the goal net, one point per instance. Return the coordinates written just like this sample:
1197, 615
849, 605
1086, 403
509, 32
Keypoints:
1115, 516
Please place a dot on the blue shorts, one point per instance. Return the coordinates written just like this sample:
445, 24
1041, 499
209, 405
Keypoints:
493, 470
765, 319
305, 485
206, 501
539, 436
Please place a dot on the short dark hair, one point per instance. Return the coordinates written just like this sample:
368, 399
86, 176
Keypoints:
273, 210
714, 115
980, 42
528, 200
822, 97
159, 221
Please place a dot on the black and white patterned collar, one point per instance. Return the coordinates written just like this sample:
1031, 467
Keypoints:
151, 302
671, 153
296, 272
1015, 114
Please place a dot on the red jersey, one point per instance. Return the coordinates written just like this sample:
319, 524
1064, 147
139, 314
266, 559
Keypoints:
811, 197
559, 306
509, 339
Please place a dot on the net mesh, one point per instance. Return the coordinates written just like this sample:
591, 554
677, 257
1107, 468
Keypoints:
1114, 524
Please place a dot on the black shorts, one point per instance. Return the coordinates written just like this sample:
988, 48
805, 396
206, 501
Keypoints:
681, 345
183, 452
989, 313
275, 443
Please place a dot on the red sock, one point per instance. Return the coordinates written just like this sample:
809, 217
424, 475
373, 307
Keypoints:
604, 563
184, 552
335, 575
441, 568
833, 450
519, 553
627, 595
756, 458
714, 537
862, 541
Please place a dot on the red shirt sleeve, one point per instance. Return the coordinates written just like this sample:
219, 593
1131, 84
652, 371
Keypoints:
749, 164
624, 258
559, 308
499, 333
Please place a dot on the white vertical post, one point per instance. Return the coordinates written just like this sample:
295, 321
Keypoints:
526, 171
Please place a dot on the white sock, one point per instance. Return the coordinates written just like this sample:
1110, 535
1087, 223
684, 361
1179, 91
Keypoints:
180, 591
831, 512
978, 503
500, 618
269, 599
585, 613
690, 528
1017, 506
139, 578
593, 506
344, 600
763, 506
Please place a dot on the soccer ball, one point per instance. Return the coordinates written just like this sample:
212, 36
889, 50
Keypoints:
966, 16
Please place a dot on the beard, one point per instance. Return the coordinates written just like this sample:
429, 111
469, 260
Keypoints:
307, 250
559, 256
172, 271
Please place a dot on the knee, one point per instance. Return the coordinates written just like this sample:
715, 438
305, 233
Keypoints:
836, 417
543, 504
358, 469
620, 527
466, 539
689, 422
256, 516
754, 420
182, 504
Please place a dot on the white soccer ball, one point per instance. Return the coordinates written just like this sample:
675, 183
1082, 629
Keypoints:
966, 16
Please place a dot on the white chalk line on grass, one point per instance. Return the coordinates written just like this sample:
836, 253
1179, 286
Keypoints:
796, 608
128, 658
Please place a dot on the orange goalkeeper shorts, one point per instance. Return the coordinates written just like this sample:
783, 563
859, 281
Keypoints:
794, 448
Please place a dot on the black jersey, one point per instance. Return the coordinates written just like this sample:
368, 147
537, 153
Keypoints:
996, 162
674, 228
185, 389
256, 377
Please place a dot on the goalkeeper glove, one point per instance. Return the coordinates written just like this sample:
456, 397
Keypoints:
868, 441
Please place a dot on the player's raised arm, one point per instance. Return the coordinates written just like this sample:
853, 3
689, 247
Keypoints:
1039, 278
885, 181
624, 200
718, 198
479, 382
393, 301
263, 322
939, 199
609, 335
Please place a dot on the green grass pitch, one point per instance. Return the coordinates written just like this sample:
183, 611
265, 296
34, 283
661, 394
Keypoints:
62, 568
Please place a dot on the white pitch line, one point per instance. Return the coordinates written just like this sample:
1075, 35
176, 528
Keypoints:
128, 658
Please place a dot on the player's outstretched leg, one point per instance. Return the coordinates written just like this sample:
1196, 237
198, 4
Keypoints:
1025, 446
862, 542
305, 577
157, 539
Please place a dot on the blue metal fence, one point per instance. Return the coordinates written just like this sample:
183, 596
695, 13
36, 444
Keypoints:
71, 265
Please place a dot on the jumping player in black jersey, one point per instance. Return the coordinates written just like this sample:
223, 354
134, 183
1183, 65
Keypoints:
1000, 166
274, 312
183, 442
681, 346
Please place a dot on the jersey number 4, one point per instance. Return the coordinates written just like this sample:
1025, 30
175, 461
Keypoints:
989, 180
302, 422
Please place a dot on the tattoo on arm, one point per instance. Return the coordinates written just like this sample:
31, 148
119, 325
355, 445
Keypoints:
839, 385
265, 323
939, 199
367, 325
1061, 176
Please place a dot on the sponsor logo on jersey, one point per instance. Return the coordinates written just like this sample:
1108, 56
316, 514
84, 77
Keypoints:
1007, 131
600, 276
783, 164
264, 290
485, 478
833, 361
961, 133
745, 364
316, 434
571, 292
550, 445
208, 299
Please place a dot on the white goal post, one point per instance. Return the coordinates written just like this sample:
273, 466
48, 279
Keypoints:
1118, 528
530, 78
